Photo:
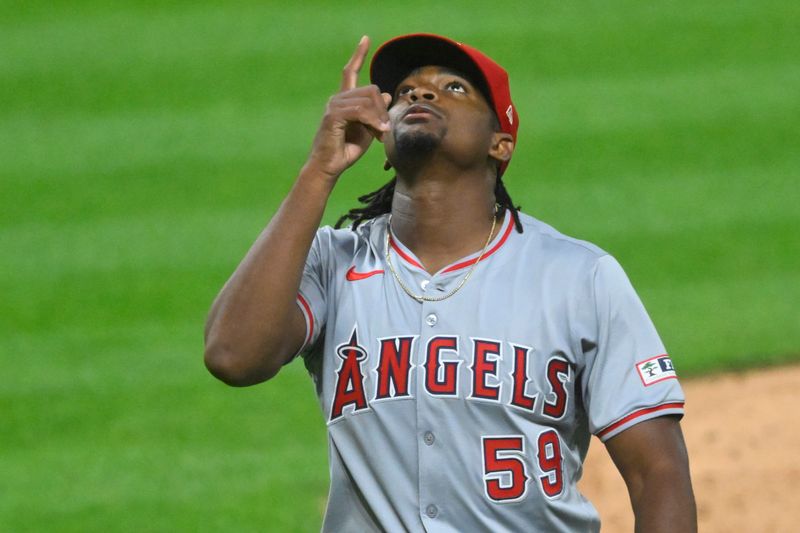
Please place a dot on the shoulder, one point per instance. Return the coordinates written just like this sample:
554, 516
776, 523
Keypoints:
586, 270
346, 242
552, 246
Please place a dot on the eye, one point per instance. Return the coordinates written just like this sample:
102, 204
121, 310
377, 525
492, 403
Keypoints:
456, 86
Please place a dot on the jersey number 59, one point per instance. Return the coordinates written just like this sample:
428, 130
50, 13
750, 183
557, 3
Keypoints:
505, 474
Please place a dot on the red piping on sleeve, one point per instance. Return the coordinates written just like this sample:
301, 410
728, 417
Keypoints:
309, 318
636, 414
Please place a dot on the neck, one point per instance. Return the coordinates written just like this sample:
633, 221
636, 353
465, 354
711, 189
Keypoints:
442, 219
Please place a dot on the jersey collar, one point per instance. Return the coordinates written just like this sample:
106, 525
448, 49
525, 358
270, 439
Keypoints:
410, 260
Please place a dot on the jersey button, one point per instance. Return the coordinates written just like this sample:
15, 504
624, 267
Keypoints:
431, 511
431, 319
424, 284
429, 438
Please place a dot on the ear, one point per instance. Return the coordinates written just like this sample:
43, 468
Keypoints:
502, 147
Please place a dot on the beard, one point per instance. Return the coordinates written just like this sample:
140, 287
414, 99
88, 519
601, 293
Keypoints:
416, 144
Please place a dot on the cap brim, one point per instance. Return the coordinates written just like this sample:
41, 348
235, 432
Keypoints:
394, 60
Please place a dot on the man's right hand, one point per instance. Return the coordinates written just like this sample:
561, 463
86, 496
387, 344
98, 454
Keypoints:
354, 116
255, 325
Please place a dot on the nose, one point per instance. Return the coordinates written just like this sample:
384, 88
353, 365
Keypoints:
421, 93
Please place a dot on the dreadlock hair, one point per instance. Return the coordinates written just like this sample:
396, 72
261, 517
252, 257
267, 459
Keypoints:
505, 202
379, 202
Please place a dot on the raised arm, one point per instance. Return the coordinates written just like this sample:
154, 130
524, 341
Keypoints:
652, 458
254, 325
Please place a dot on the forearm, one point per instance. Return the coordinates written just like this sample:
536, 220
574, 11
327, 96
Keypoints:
248, 334
254, 325
652, 458
662, 501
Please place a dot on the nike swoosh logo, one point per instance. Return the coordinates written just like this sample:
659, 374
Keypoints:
352, 275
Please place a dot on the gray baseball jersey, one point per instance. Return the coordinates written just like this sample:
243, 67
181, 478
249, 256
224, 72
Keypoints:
474, 413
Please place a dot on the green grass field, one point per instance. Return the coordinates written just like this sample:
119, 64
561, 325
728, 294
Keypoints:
143, 146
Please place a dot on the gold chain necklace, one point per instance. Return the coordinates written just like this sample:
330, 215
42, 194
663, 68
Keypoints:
420, 297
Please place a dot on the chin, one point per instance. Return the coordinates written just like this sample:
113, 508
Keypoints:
416, 143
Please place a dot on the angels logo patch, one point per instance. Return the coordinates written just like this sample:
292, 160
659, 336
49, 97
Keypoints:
656, 369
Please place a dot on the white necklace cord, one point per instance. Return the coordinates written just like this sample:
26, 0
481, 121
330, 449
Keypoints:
421, 297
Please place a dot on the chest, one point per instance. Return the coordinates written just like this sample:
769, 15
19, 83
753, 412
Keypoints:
496, 341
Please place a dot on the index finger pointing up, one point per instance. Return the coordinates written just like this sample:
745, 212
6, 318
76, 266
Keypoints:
353, 67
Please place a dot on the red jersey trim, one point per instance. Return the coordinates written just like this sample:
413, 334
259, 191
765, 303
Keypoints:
401, 253
636, 414
493, 249
462, 264
309, 319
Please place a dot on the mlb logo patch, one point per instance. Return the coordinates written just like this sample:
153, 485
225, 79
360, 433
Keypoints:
656, 369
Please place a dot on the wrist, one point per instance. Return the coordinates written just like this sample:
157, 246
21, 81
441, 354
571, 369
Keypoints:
313, 180
313, 171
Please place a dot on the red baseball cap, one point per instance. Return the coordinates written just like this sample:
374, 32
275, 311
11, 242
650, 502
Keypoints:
396, 58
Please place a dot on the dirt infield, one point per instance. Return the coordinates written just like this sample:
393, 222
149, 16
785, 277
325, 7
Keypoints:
743, 435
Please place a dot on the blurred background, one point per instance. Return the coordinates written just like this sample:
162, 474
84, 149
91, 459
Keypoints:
144, 145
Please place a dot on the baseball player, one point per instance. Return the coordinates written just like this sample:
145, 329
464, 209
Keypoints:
463, 352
